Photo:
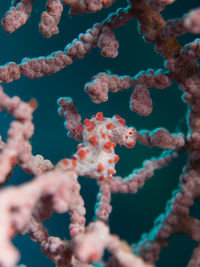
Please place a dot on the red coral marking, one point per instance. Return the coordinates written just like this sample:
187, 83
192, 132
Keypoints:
74, 163
94, 256
80, 128
100, 167
116, 159
122, 121
33, 103
103, 135
110, 161
92, 126
117, 117
11, 231
13, 160
131, 144
93, 140
102, 178
109, 126
114, 144
87, 122
65, 162
82, 153
111, 171
108, 145
99, 116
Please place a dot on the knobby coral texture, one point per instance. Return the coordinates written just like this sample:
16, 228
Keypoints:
53, 184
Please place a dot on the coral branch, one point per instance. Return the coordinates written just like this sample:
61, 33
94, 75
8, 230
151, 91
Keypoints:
38, 67
50, 18
83, 6
17, 15
161, 137
17, 207
140, 100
